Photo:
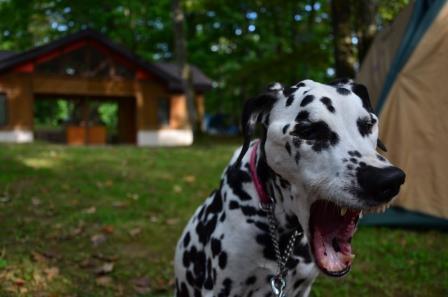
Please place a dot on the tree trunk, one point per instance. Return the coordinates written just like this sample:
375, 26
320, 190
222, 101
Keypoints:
365, 25
343, 50
185, 71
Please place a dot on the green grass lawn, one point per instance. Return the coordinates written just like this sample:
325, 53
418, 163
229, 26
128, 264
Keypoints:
104, 221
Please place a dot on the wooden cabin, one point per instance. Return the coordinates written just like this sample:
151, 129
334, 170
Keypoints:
152, 108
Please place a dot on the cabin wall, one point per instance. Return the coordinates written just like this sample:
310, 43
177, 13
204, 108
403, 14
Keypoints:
60, 85
150, 132
19, 107
137, 121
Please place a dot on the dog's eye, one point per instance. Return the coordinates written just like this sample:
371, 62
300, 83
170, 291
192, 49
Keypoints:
365, 125
311, 131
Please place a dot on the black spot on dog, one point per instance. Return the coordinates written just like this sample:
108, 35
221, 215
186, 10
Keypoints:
307, 100
292, 263
208, 283
342, 91
288, 148
353, 160
302, 116
215, 206
297, 142
289, 91
249, 210
188, 256
354, 154
349, 167
251, 280
285, 128
222, 261
183, 292
262, 226
187, 239
235, 179
297, 283
196, 277
264, 240
215, 246
205, 229
227, 287
222, 218
303, 250
364, 126
289, 100
323, 136
317, 134
300, 84
197, 293
234, 204
327, 102
190, 278
362, 164
381, 158
292, 222
201, 212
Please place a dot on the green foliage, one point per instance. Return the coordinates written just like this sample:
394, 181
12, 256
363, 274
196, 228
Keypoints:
3, 263
388, 10
108, 113
241, 45
51, 113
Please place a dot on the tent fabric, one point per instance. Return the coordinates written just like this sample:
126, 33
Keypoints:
415, 122
414, 117
424, 12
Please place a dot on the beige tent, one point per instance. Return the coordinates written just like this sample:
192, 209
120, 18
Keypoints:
406, 72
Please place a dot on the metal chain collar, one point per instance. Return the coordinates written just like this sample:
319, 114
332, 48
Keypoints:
278, 282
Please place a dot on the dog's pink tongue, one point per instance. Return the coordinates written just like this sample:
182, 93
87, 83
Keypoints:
331, 235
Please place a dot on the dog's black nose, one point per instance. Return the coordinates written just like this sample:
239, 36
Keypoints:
381, 184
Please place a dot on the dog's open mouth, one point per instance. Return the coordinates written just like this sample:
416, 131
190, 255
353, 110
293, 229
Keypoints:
332, 229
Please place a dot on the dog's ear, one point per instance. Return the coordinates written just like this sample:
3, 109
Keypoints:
381, 145
362, 93
255, 111
340, 81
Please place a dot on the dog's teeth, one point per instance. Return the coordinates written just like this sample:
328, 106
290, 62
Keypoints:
361, 214
343, 211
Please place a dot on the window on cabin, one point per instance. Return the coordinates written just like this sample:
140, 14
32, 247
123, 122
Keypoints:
163, 112
87, 62
3, 110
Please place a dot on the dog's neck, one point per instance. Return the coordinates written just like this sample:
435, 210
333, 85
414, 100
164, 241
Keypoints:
280, 191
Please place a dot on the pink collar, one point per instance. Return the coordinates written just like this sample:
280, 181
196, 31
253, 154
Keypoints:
264, 198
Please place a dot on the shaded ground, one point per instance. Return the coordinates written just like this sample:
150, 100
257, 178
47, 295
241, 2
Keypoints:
104, 222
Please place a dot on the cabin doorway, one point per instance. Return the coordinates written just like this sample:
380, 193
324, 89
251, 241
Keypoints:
85, 120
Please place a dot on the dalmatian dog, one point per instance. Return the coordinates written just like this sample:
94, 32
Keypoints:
316, 160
